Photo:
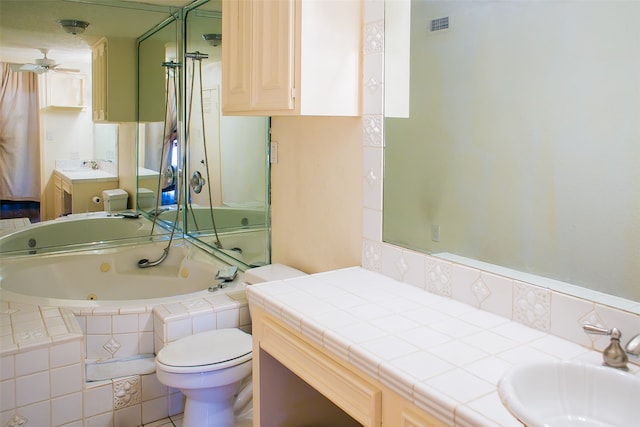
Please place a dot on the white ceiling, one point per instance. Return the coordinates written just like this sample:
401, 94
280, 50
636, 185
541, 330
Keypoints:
29, 25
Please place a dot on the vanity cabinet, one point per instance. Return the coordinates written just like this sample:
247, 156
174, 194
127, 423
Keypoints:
113, 64
73, 195
291, 57
286, 365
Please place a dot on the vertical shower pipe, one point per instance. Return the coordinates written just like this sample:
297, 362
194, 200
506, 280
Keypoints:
144, 262
199, 56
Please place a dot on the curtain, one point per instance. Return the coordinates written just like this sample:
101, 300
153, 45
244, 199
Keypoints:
19, 135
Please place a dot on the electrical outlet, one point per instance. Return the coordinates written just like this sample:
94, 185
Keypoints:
435, 233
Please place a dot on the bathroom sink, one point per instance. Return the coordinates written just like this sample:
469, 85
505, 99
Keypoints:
553, 394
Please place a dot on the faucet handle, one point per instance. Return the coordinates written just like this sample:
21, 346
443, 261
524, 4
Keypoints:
633, 346
598, 330
613, 355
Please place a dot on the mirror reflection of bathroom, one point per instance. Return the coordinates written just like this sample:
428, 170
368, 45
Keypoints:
225, 166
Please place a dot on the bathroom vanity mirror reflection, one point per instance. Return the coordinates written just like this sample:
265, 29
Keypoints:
221, 161
158, 101
105, 143
512, 137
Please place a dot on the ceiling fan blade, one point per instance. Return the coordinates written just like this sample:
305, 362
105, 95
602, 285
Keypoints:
24, 67
65, 70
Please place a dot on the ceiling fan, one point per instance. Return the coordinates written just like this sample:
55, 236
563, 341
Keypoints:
42, 65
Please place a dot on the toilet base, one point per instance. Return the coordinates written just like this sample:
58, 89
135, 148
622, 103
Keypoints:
208, 409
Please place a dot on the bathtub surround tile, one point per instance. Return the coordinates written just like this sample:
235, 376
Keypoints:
32, 361
66, 409
152, 388
130, 416
99, 325
145, 343
7, 391
145, 322
154, 409
38, 414
125, 323
65, 380
7, 367
176, 401
102, 420
129, 345
32, 388
177, 329
98, 400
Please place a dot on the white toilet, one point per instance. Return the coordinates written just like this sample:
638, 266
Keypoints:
212, 368
208, 368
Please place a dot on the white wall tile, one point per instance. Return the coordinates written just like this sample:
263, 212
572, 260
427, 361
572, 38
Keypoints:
567, 314
145, 343
95, 347
102, 420
177, 329
32, 388
66, 380
66, 409
125, 323
204, 322
176, 402
97, 400
32, 361
7, 367
128, 344
38, 414
66, 353
131, 416
99, 325
145, 322
227, 318
8, 393
373, 11
500, 299
152, 388
155, 409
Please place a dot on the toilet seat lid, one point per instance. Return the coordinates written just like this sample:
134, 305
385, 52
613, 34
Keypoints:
219, 348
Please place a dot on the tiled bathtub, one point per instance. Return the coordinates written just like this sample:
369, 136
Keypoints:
46, 341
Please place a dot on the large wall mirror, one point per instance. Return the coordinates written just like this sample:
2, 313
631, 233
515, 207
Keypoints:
512, 136
219, 163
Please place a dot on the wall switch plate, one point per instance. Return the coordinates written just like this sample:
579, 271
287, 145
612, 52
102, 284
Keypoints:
273, 155
435, 233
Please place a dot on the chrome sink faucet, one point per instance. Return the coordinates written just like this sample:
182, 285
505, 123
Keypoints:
614, 355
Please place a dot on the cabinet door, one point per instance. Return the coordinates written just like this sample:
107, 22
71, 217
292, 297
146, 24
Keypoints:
57, 196
236, 54
273, 55
98, 79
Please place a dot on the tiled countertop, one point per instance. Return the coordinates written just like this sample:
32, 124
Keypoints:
444, 356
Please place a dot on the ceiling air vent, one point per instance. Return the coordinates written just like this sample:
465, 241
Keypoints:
440, 24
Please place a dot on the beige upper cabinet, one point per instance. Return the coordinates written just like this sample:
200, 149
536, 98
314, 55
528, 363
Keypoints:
291, 57
114, 80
